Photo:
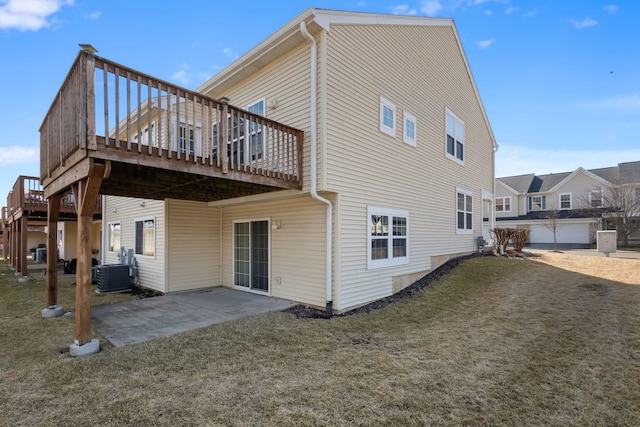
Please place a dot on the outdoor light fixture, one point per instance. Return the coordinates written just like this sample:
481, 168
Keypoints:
275, 225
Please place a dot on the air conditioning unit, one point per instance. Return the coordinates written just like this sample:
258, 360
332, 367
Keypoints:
113, 277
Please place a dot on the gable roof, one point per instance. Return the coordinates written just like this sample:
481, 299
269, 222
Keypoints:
531, 183
289, 36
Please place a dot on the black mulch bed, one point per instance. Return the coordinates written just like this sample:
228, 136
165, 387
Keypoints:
306, 312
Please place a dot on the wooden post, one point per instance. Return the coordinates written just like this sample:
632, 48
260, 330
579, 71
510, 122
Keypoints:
17, 253
52, 249
14, 243
24, 226
224, 137
85, 192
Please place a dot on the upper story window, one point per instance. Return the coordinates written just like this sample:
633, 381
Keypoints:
145, 237
503, 204
537, 203
114, 231
595, 198
565, 201
455, 137
409, 129
255, 146
387, 237
464, 211
387, 117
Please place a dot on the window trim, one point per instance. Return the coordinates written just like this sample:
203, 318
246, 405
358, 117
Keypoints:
503, 198
596, 190
390, 260
109, 224
135, 237
408, 117
454, 156
391, 131
543, 203
570, 201
469, 193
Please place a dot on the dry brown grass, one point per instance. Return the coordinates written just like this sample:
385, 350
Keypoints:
496, 342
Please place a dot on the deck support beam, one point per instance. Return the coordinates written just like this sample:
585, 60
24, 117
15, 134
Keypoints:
85, 192
24, 227
53, 212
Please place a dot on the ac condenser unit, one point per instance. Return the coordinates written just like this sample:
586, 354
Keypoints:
113, 277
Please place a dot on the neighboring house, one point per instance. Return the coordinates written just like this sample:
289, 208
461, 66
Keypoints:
578, 201
392, 178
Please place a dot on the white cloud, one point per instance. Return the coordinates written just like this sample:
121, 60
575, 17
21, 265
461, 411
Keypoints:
16, 154
361, 3
228, 52
182, 75
29, 15
94, 16
430, 7
510, 10
488, 12
610, 8
626, 103
514, 160
585, 23
403, 9
531, 13
483, 44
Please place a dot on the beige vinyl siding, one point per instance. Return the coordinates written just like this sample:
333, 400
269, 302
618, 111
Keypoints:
517, 204
285, 81
579, 186
126, 210
298, 248
192, 245
35, 238
369, 167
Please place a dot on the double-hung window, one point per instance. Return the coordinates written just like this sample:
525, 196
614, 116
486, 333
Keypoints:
537, 203
388, 234
595, 198
565, 200
503, 204
113, 236
145, 237
255, 144
183, 139
455, 137
387, 117
464, 211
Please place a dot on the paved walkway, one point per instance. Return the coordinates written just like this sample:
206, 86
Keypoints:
141, 320
572, 249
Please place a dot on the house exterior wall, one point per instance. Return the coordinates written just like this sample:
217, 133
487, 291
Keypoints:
126, 210
192, 245
579, 186
68, 245
517, 202
297, 248
370, 168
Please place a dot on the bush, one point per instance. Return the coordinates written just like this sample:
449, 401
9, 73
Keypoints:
520, 238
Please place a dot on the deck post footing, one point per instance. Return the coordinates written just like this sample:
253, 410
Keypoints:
91, 347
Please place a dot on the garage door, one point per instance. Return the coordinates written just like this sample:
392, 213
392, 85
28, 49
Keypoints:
566, 233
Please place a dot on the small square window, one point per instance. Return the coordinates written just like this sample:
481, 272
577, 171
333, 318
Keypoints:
409, 129
565, 201
387, 117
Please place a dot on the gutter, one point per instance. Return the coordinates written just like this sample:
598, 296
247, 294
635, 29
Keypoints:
314, 166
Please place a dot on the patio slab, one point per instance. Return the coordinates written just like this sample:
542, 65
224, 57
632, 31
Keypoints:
145, 319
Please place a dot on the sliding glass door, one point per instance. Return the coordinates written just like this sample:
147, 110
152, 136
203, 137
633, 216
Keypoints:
251, 255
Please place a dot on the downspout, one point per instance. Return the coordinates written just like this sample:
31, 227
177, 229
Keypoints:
314, 166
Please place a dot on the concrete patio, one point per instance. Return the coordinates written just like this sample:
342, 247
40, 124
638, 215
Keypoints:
145, 319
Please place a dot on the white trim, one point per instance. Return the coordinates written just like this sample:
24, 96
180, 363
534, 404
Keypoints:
596, 190
504, 198
155, 243
574, 173
466, 193
108, 239
408, 117
390, 260
454, 156
560, 201
233, 256
384, 103
325, 18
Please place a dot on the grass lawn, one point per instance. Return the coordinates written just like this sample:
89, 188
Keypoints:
553, 340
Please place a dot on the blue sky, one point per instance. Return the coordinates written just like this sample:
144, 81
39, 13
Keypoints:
559, 79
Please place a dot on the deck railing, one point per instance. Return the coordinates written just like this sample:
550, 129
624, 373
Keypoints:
27, 195
104, 106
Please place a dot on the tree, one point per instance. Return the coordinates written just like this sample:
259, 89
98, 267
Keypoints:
551, 220
619, 203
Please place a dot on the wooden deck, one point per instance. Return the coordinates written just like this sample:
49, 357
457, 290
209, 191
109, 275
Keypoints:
160, 141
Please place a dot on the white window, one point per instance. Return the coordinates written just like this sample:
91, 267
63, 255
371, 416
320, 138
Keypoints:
455, 138
595, 198
145, 237
537, 203
245, 141
145, 136
186, 137
409, 129
503, 204
255, 146
388, 234
183, 139
464, 211
387, 117
565, 200
114, 232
